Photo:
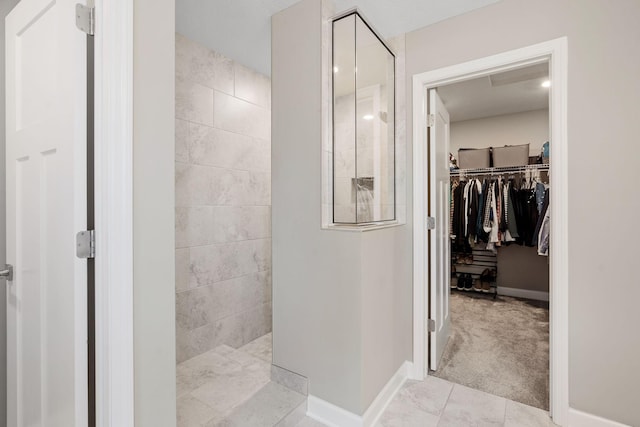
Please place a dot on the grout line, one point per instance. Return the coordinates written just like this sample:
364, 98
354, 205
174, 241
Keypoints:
224, 242
226, 130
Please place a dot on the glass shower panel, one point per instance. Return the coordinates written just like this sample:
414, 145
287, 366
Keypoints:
344, 127
363, 124
375, 193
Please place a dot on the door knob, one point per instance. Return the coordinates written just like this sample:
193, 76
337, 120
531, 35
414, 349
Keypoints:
7, 273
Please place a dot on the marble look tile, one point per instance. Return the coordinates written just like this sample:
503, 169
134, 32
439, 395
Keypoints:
234, 330
260, 347
182, 269
194, 102
245, 359
193, 413
214, 263
471, 407
206, 304
223, 349
217, 147
202, 185
429, 395
197, 371
232, 114
309, 422
519, 415
193, 308
293, 418
182, 141
343, 191
257, 189
252, 86
206, 225
401, 413
257, 322
289, 379
229, 391
197, 63
184, 348
265, 408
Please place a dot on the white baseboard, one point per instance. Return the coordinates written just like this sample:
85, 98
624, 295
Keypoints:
333, 415
584, 419
523, 293
386, 395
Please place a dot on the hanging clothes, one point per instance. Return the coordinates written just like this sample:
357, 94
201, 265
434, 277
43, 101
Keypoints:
499, 211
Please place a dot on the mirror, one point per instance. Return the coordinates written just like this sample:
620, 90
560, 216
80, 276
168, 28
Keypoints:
363, 124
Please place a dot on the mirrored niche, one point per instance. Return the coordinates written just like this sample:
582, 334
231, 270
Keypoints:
363, 124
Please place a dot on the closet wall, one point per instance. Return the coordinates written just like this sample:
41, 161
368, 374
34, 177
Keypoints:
519, 267
510, 129
223, 201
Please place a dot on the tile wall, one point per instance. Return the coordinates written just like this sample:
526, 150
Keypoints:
223, 201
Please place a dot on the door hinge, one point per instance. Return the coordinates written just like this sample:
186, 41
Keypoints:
431, 223
86, 244
431, 120
86, 18
432, 325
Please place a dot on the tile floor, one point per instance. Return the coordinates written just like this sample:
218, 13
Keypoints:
229, 387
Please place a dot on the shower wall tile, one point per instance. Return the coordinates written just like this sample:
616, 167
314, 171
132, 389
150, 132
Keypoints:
234, 330
252, 86
213, 263
200, 306
182, 269
206, 225
216, 147
223, 201
194, 102
198, 64
182, 141
200, 185
232, 114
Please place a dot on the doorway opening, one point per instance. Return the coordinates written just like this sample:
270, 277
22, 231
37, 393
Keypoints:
447, 323
498, 189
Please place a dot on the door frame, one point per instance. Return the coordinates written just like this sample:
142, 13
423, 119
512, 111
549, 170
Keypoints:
555, 52
113, 165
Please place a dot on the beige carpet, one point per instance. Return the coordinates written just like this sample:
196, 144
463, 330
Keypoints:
501, 347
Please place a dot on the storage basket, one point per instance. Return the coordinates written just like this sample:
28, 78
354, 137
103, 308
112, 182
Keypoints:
510, 155
471, 158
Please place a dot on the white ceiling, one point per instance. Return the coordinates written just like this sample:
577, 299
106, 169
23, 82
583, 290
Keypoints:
241, 29
514, 91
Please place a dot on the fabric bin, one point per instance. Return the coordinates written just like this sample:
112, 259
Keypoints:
471, 158
511, 155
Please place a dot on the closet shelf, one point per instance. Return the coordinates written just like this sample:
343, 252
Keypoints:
499, 170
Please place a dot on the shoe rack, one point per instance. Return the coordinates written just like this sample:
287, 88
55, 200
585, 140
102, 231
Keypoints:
469, 271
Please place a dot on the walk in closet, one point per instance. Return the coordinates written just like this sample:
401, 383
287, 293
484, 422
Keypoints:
493, 208
499, 234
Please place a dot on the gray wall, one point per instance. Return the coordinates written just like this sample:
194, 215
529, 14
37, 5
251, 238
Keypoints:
316, 273
223, 198
529, 127
5, 8
519, 267
153, 213
342, 300
603, 129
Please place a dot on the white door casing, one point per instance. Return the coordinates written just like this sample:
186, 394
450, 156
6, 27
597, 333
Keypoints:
555, 52
46, 206
440, 267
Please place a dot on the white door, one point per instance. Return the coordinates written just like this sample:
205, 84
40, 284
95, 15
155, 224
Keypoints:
46, 206
440, 265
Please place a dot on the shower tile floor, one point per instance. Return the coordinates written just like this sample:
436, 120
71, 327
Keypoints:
229, 387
